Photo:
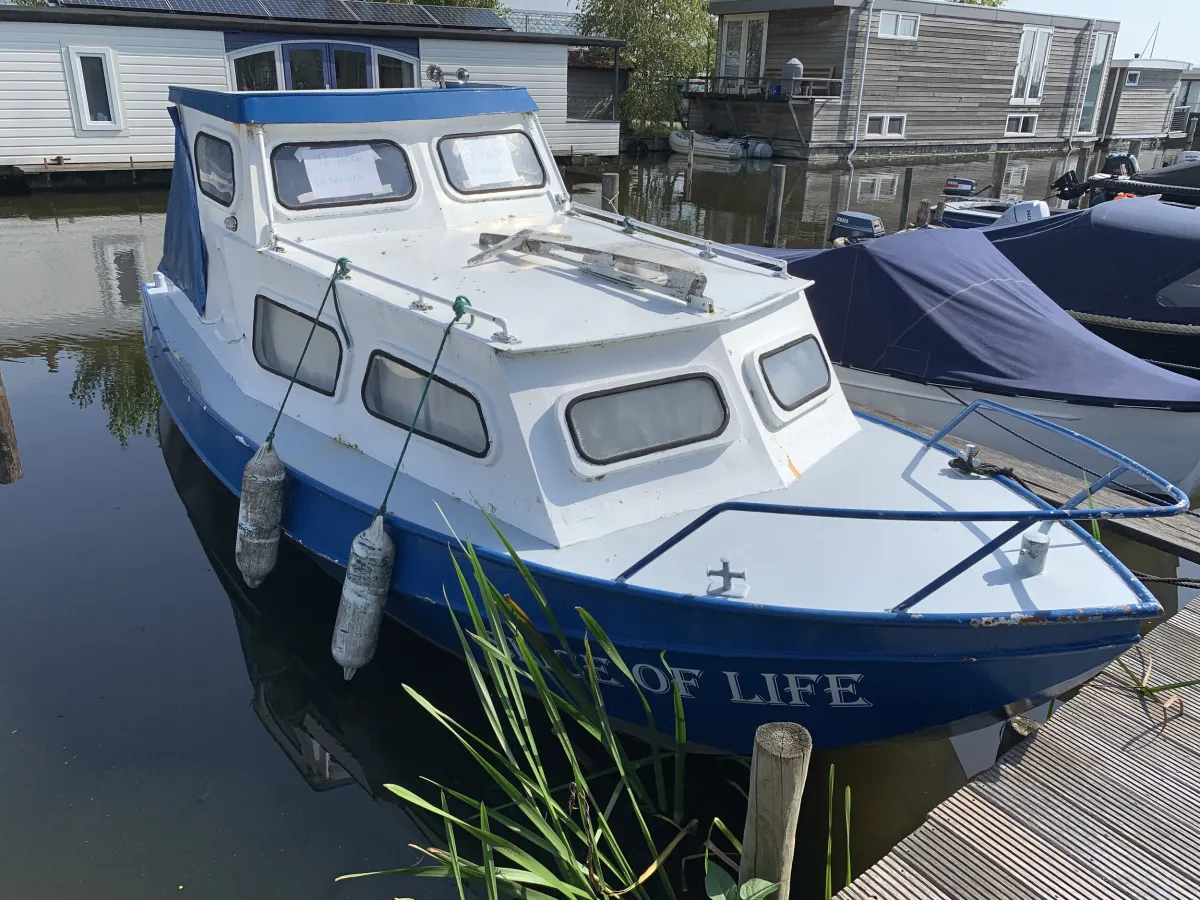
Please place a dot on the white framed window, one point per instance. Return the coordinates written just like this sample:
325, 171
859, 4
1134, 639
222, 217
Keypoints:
263, 67
899, 25
877, 187
257, 69
1020, 126
886, 125
93, 73
1029, 78
1132, 79
744, 48
396, 70
280, 337
1016, 176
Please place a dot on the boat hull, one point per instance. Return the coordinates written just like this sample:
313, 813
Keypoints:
1165, 441
849, 678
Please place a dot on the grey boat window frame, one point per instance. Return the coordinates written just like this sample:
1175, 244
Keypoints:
763, 357
502, 190
657, 448
337, 375
487, 435
335, 204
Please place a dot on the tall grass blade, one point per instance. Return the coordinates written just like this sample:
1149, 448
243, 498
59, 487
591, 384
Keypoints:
680, 741
849, 875
829, 842
489, 865
452, 846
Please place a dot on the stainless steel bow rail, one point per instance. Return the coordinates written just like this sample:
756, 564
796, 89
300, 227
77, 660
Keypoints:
1022, 519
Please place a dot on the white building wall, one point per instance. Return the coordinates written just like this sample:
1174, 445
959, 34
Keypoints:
542, 68
37, 117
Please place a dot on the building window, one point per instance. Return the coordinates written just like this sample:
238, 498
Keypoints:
483, 163
899, 25
877, 187
1132, 79
214, 168
340, 173
93, 72
1029, 79
279, 338
392, 391
1016, 177
886, 125
395, 72
1095, 81
1020, 126
256, 71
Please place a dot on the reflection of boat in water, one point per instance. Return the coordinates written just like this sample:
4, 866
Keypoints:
677, 164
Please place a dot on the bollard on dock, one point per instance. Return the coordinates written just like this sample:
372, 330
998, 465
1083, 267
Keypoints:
778, 771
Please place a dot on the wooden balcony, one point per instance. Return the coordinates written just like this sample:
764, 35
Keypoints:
765, 88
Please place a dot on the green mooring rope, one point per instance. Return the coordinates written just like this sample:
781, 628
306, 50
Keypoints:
461, 305
341, 269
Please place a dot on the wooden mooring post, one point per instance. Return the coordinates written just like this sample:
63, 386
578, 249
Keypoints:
778, 771
906, 197
609, 184
10, 457
924, 211
774, 206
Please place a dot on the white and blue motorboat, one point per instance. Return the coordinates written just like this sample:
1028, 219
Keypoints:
652, 420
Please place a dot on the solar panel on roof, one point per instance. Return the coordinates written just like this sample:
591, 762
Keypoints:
466, 17
219, 7
391, 13
159, 5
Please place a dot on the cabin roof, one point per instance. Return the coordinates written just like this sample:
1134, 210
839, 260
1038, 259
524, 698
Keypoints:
327, 107
924, 7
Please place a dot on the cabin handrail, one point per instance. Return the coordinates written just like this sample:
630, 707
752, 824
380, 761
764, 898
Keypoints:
708, 248
1022, 519
503, 336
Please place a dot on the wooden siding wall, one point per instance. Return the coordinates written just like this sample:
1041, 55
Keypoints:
816, 37
954, 81
590, 92
1144, 110
37, 118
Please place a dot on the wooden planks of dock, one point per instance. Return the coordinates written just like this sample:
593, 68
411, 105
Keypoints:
1102, 802
1177, 535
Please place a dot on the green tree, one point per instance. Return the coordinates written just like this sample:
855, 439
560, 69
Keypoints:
116, 372
665, 40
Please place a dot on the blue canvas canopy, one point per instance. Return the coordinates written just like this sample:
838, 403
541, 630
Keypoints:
1112, 259
944, 306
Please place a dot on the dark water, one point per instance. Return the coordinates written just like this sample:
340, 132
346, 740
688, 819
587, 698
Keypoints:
165, 733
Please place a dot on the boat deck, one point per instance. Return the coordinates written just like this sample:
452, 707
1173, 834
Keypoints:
1101, 803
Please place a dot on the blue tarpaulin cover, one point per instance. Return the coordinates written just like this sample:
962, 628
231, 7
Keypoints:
185, 259
944, 306
1111, 259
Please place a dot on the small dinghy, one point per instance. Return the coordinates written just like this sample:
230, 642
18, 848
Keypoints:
719, 148
979, 213
1127, 269
651, 420
924, 322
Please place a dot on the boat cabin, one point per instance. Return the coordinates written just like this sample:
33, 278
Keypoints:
603, 376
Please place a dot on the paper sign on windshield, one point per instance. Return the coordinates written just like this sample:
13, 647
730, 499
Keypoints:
487, 160
337, 172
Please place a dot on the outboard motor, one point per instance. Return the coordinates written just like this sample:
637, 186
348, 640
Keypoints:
1112, 165
856, 226
959, 187
1025, 211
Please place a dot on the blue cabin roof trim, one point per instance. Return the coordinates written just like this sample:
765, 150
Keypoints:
331, 107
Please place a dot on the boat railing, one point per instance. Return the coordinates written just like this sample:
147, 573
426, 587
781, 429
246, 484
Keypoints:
1070, 511
422, 303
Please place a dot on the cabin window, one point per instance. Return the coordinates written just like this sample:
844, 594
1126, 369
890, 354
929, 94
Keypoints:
795, 372
627, 422
1132, 79
1018, 126
1029, 79
256, 72
395, 72
482, 163
890, 125
214, 168
280, 334
899, 25
340, 173
96, 94
877, 187
451, 416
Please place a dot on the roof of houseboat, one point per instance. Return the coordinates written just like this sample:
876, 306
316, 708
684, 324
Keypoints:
332, 107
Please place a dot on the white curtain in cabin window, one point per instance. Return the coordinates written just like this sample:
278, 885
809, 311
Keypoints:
450, 415
279, 336
795, 372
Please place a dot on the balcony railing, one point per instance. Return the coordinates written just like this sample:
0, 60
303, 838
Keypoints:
762, 88
1179, 119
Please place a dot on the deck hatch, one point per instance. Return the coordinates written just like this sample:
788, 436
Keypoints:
640, 419
341, 173
795, 372
279, 337
451, 415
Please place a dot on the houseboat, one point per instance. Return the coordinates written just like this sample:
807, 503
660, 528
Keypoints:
650, 420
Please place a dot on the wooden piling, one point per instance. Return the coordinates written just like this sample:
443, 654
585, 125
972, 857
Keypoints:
774, 206
778, 770
935, 218
691, 149
999, 171
609, 183
10, 456
906, 197
924, 211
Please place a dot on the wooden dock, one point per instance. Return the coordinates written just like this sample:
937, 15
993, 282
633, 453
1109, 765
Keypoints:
1102, 802
1178, 535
